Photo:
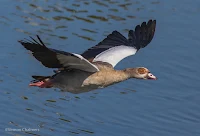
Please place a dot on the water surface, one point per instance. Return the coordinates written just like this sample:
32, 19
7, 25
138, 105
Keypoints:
167, 107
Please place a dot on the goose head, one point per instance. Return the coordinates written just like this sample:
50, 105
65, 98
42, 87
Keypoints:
140, 73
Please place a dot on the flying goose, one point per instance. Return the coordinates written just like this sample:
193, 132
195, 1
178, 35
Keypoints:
94, 68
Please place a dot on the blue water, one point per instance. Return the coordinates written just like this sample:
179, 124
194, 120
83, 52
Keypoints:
166, 107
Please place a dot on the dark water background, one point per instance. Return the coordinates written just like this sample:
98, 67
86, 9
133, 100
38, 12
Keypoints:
169, 106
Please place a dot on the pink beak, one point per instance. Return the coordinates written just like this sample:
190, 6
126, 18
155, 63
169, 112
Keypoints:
151, 76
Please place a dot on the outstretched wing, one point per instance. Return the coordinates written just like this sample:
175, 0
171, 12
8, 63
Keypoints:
116, 47
53, 58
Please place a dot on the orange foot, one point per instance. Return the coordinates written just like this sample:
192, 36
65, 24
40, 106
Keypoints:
42, 84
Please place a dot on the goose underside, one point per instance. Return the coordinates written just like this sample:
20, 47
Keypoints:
68, 81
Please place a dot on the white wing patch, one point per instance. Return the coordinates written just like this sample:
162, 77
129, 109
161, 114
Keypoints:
77, 62
82, 58
115, 54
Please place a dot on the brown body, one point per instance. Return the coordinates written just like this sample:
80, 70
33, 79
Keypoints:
78, 81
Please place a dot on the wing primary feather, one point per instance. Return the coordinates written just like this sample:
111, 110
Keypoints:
40, 41
142, 35
27, 40
34, 40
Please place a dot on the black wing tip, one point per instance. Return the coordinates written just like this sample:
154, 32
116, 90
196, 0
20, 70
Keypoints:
113, 39
40, 40
143, 34
33, 40
115, 32
24, 41
151, 23
33, 44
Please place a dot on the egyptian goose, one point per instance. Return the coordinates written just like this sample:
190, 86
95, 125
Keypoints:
94, 68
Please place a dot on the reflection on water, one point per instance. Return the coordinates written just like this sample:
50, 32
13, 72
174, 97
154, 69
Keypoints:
167, 107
